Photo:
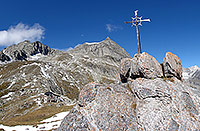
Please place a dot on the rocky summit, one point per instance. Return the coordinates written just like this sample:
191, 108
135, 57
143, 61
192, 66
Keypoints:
149, 96
100, 83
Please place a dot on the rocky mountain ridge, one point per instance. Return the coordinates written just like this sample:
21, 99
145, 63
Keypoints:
149, 96
54, 79
40, 82
24, 50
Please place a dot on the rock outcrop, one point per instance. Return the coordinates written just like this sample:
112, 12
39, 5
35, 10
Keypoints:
4, 57
137, 104
23, 50
172, 66
141, 104
141, 65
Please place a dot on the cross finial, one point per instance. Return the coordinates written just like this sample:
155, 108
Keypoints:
135, 22
136, 13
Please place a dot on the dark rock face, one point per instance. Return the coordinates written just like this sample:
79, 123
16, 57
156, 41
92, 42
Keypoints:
141, 65
4, 57
24, 50
172, 66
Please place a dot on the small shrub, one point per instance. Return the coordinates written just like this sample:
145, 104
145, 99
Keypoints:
168, 79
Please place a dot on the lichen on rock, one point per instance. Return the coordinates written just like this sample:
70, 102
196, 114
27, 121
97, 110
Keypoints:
172, 66
141, 65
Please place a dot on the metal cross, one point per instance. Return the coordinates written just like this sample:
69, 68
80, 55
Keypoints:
135, 22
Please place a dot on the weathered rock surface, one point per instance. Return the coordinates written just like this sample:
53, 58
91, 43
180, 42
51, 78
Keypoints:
141, 65
103, 108
172, 66
141, 104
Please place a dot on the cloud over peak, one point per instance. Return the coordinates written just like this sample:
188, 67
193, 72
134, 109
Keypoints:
111, 28
21, 32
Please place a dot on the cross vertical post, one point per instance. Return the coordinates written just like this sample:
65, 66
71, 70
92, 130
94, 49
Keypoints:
138, 39
136, 21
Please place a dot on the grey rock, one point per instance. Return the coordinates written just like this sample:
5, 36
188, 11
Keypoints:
173, 126
172, 66
141, 65
140, 104
25, 49
107, 109
125, 68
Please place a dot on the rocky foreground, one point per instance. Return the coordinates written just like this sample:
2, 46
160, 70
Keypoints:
149, 96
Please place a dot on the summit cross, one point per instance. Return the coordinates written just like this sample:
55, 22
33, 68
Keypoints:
136, 21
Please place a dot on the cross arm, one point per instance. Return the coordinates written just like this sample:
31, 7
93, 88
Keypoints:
148, 20
126, 22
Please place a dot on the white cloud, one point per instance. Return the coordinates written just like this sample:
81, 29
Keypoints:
21, 32
110, 27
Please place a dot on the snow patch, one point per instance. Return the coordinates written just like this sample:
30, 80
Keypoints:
36, 57
35, 80
29, 65
63, 78
5, 96
58, 116
13, 82
23, 75
194, 68
185, 75
91, 43
50, 123
44, 73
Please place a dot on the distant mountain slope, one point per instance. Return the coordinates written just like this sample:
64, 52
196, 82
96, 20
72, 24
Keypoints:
24, 50
192, 76
40, 78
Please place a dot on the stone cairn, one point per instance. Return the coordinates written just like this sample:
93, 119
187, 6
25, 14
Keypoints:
146, 66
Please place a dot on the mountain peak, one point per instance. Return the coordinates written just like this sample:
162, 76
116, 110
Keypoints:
107, 38
104, 48
23, 50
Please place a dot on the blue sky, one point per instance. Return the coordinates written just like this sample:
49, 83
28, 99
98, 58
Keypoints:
61, 24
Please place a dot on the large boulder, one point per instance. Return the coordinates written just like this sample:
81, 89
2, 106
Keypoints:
102, 108
125, 68
140, 104
172, 66
141, 65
